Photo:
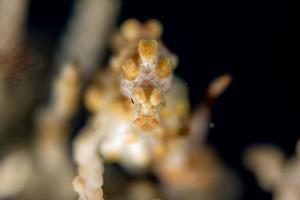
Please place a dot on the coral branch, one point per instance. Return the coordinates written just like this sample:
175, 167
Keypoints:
87, 33
200, 118
52, 133
266, 162
274, 172
15, 170
12, 20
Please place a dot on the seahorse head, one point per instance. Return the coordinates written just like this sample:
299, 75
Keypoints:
146, 78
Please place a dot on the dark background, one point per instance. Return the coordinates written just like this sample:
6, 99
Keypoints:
248, 39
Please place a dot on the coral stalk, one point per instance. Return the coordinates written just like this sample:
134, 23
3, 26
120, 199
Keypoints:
87, 33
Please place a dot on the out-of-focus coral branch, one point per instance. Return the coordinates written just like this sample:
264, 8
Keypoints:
266, 162
12, 21
15, 170
87, 33
274, 172
52, 135
142, 190
191, 168
53, 171
53, 121
194, 172
14, 98
200, 119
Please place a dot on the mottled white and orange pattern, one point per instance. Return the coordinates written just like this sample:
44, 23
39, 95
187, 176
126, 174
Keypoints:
141, 118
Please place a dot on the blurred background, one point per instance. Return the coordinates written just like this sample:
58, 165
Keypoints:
248, 39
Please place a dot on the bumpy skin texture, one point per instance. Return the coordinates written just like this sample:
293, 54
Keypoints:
146, 78
141, 120
137, 106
